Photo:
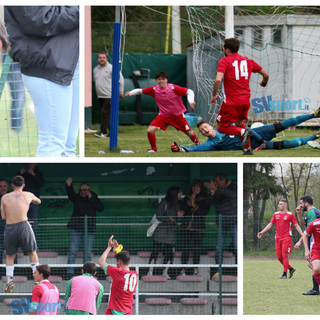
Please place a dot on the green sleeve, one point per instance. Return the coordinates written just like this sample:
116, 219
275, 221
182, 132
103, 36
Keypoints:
68, 292
311, 215
99, 296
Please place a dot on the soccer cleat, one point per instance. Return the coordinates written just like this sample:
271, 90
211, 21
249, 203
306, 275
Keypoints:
247, 152
317, 113
9, 287
246, 138
151, 151
291, 272
284, 276
311, 292
263, 146
314, 144
101, 135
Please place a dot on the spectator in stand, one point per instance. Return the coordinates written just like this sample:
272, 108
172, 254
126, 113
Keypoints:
85, 204
196, 206
164, 237
224, 194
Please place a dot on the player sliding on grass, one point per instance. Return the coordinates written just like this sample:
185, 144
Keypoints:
284, 220
168, 98
260, 139
235, 72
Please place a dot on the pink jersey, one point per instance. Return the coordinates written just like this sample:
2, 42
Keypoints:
47, 296
314, 230
284, 223
168, 99
123, 285
237, 72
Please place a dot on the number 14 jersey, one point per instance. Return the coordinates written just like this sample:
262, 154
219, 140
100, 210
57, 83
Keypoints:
237, 72
123, 286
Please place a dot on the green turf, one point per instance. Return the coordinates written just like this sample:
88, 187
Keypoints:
265, 294
134, 137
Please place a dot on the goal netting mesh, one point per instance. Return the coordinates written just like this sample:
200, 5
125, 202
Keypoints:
283, 40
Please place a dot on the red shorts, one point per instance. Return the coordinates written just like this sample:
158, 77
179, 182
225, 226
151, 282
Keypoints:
228, 115
315, 255
178, 122
283, 246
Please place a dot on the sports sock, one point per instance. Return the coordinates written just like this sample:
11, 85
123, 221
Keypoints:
287, 144
285, 260
317, 277
33, 266
152, 141
294, 121
194, 137
9, 273
315, 284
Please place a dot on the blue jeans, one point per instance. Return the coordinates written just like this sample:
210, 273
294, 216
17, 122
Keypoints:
220, 244
77, 238
57, 114
14, 79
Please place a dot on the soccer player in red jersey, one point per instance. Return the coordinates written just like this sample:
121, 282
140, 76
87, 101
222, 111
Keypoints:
168, 98
124, 281
235, 72
284, 220
313, 254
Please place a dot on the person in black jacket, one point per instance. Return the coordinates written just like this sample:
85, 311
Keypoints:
85, 203
196, 205
224, 195
45, 41
33, 182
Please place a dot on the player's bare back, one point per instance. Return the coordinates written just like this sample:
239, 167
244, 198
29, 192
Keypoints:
15, 206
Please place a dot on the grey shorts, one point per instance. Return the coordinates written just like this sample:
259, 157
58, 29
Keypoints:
19, 234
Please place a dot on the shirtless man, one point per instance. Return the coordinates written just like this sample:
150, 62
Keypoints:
14, 209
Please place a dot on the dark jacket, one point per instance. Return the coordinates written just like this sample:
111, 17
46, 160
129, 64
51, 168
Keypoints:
194, 218
83, 207
44, 40
166, 230
33, 183
225, 200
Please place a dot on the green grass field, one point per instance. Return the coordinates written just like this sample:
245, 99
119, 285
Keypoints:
134, 137
265, 294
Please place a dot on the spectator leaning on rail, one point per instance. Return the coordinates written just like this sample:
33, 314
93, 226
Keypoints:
85, 203
224, 194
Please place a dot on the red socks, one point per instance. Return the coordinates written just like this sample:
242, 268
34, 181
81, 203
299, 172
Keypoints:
152, 141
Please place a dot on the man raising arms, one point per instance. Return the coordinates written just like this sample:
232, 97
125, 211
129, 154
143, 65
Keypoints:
235, 72
283, 219
14, 209
124, 281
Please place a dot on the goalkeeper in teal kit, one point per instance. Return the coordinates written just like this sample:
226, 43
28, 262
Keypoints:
260, 139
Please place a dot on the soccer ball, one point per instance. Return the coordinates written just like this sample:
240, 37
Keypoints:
256, 125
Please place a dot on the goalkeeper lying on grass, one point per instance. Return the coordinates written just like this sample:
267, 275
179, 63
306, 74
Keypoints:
260, 139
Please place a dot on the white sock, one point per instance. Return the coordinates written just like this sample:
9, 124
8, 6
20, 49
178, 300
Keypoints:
9, 273
34, 265
242, 131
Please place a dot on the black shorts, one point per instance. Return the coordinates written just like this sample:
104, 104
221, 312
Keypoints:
19, 234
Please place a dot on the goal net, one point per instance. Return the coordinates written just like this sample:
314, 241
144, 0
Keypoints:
283, 40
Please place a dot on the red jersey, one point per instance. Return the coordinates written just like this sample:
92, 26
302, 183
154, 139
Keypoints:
284, 223
237, 72
168, 99
123, 286
314, 230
